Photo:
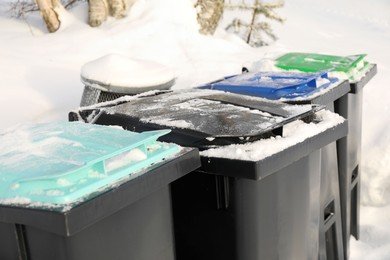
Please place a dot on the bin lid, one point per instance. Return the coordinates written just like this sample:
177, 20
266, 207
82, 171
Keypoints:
203, 118
347, 67
274, 84
64, 163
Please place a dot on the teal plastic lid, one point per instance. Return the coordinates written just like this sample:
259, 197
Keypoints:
64, 163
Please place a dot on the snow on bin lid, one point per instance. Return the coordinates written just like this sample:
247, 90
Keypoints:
275, 84
351, 67
203, 118
119, 74
65, 163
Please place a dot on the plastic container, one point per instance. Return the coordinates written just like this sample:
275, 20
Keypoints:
263, 208
80, 191
359, 73
304, 88
349, 154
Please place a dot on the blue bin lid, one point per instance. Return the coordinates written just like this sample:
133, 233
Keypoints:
64, 163
274, 85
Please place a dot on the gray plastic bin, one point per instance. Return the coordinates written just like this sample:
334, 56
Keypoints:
331, 232
232, 208
130, 218
303, 88
349, 155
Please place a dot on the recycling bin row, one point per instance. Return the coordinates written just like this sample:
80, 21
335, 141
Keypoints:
82, 190
88, 191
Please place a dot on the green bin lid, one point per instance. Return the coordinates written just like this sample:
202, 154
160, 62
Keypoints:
346, 67
65, 163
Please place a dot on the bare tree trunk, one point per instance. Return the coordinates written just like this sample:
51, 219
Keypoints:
98, 12
209, 14
100, 9
117, 8
49, 15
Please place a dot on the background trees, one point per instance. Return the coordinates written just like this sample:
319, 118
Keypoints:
253, 27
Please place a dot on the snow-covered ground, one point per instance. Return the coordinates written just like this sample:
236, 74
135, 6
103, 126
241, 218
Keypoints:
40, 72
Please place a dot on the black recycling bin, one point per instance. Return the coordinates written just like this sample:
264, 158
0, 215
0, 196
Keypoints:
304, 88
251, 202
88, 192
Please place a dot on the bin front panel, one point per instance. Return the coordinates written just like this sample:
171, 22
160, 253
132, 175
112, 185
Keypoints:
142, 231
278, 216
220, 217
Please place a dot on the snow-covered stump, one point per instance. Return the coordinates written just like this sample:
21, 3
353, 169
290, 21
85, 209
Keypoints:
113, 76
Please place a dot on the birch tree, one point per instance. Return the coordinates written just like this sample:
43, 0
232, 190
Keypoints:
99, 10
47, 8
209, 13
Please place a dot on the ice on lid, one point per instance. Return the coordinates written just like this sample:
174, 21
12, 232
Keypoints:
63, 163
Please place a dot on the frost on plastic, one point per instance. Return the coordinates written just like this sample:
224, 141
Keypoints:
55, 166
293, 134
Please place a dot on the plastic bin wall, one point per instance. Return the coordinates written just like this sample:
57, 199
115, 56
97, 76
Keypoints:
330, 228
349, 154
220, 217
140, 231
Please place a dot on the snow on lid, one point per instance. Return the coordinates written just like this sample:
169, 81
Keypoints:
293, 133
64, 163
215, 113
355, 74
317, 93
120, 71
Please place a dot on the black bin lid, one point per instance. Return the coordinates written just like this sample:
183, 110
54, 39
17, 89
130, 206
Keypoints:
202, 118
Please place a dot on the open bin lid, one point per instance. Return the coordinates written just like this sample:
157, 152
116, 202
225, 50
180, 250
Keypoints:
201, 118
274, 85
346, 67
68, 163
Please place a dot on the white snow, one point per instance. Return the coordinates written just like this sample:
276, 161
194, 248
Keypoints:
293, 133
40, 72
134, 155
120, 71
